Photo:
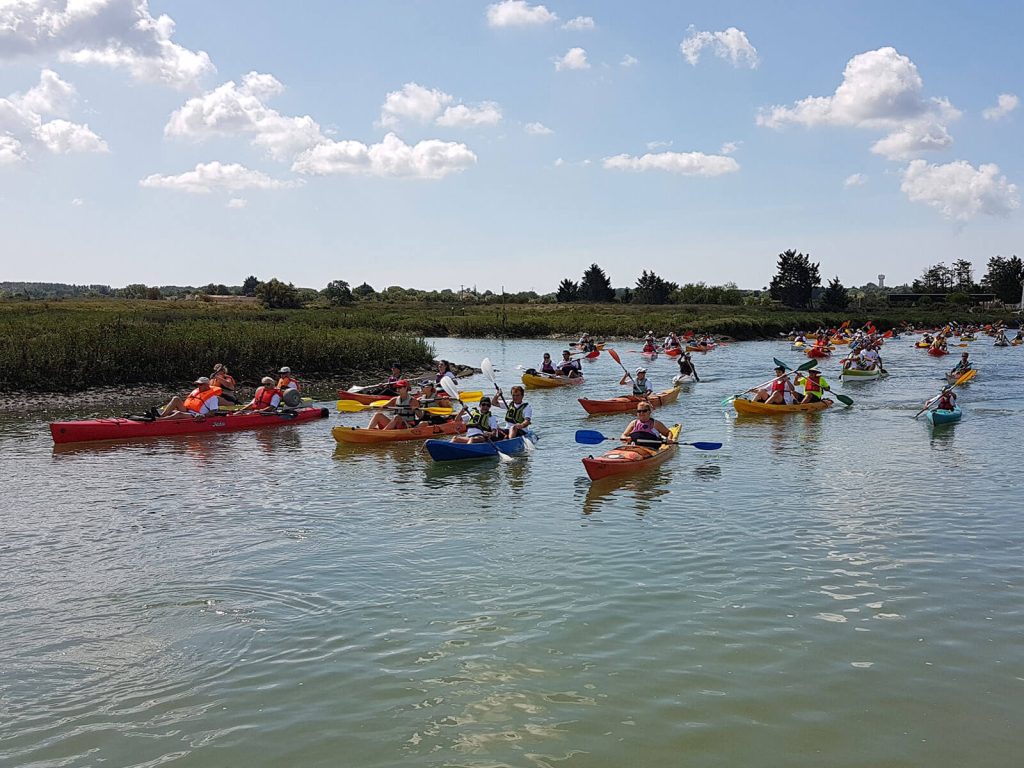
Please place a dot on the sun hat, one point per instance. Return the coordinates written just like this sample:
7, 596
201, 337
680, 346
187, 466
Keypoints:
267, 380
286, 369
201, 380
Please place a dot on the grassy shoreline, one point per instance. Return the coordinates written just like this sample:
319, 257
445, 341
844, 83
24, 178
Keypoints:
72, 345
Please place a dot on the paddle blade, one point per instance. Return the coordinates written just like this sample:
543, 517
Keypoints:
614, 355
781, 364
488, 369
589, 437
965, 378
470, 397
704, 446
351, 406
844, 399
449, 388
807, 366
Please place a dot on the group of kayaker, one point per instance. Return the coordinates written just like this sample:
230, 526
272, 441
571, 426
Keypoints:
783, 391
210, 390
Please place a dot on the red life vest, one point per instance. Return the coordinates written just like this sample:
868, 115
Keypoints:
284, 381
196, 398
264, 397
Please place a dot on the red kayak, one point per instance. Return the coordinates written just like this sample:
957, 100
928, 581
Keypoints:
818, 351
359, 397
674, 351
127, 429
937, 352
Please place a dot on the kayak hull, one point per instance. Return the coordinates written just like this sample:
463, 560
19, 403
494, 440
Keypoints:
628, 402
673, 351
952, 378
359, 397
937, 417
857, 374
649, 355
683, 378
748, 408
363, 436
629, 460
922, 345
445, 450
818, 352
537, 381
93, 430
698, 348
936, 352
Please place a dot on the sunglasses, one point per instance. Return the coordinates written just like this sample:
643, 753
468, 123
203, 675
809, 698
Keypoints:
643, 410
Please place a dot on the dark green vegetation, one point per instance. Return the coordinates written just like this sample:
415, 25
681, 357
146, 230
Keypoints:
72, 345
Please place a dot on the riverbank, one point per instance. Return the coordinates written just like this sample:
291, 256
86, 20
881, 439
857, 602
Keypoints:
67, 346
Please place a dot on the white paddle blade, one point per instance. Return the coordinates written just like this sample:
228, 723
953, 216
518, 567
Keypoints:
449, 388
488, 369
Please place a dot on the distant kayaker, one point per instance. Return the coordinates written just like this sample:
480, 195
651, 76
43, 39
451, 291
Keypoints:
519, 414
1019, 337
946, 401
287, 380
779, 392
200, 401
568, 366
645, 428
641, 386
444, 371
585, 344
481, 425
267, 396
672, 341
221, 378
815, 386
963, 365
429, 397
649, 347
396, 375
546, 366
686, 366
402, 408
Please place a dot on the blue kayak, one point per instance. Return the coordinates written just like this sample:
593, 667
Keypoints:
445, 450
937, 417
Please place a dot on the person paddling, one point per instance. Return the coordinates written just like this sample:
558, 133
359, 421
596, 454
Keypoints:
547, 366
200, 401
568, 367
963, 365
946, 401
519, 414
779, 392
287, 380
481, 424
645, 428
404, 406
266, 397
221, 378
815, 386
444, 371
641, 385
686, 366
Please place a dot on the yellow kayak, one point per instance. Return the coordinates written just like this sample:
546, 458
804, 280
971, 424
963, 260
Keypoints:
547, 380
748, 407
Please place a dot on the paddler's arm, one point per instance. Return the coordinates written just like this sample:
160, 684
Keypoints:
628, 430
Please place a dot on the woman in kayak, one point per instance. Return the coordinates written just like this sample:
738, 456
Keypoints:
779, 392
645, 428
672, 341
221, 378
444, 371
946, 401
568, 366
518, 415
287, 380
429, 397
815, 386
481, 425
404, 406
686, 366
641, 386
939, 342
547, 366
200, 401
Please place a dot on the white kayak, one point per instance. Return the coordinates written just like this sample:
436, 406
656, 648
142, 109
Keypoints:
859, 374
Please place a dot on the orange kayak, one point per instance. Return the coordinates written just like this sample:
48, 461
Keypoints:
628, 402
365, 436
699, 347
629, 459
818, 351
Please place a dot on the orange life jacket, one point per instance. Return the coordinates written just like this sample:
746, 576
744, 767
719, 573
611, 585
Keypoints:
284, 381
264, 397
224, 381
196, 398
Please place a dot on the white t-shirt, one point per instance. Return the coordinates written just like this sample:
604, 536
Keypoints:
209, 405
492, 424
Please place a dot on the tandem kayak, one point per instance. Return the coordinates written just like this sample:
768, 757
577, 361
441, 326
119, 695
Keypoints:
548, 380
630, 459
628, 402
936, 417
748, 407
937, 351
445, 450
126, 429
700, 347
364, 436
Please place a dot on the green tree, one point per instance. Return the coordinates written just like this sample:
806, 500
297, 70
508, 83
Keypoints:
364, 291
936, 279
651, 289
249, 286
135, 291
277, 295
1004, 278
337, 293
595, 285
963, 276
795, 280
567, 291
153, 293
835, 298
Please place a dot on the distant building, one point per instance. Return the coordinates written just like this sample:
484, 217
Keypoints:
881, 281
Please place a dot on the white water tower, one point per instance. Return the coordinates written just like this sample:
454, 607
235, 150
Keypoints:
881, 281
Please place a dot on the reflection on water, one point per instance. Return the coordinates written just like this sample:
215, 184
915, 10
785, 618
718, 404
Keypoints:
637, 493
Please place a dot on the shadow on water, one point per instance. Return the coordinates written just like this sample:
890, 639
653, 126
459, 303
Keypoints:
485, 477
638, 493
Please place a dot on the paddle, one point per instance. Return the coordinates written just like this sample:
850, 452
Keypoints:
803, 367
591, 437
962, 380
615, 356
351, 406
453, 393
488, 371
844, 399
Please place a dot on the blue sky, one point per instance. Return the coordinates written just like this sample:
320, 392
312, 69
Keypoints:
431, 144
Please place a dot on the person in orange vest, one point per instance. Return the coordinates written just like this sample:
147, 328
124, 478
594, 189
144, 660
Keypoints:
287, 380
200, 401
221, 378
266, 397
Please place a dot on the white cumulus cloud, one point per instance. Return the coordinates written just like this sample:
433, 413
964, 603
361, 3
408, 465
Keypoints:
518, 13
731, 44
463, 116
575, 58
683, 163
24, 123
579, 24
537, 129
959, 190
430, 159
882, 91
217, 176
115, 33
629, 61
729, 147
855, 180
1006, 103
416, 103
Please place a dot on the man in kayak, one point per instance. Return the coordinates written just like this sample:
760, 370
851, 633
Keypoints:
814, 384
645, 428
481, 425
672, 341
686, 366
266, 397
963, 366
394, 377
641, 386
568, 366
404, 406
779, 392
519, 415
585, 344
287, 380
200, 401
946, 401
221, 378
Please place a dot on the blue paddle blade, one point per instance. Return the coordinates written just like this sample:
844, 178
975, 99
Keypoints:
589, 437
705, 446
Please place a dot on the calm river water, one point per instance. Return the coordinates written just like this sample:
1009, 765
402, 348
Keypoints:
838, 589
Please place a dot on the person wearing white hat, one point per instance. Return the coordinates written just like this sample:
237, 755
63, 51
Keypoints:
287, 380
200, 401
641, 384
266, 397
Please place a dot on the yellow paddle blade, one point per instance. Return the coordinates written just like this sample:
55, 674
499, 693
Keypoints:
965, 378
470, 397
351, 406
439, 411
